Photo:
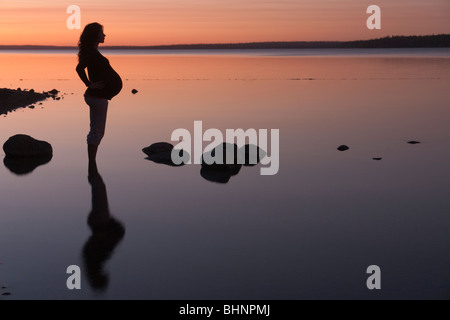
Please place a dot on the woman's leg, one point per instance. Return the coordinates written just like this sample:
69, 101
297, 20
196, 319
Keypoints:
98, 111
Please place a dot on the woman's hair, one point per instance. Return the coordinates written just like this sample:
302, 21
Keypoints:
89, 37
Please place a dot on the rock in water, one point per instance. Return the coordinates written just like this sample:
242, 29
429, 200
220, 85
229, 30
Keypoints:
252, 154
223, 155
222, 162
413, 142
21, 145
157, 147
161, 152
343, 147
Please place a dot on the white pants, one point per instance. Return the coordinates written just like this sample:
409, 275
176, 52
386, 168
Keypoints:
98, 108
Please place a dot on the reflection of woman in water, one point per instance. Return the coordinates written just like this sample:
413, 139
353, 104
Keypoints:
107, 232
102, 85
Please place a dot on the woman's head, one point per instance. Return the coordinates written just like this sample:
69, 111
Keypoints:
91, 36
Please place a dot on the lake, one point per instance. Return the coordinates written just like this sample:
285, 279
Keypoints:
310, 231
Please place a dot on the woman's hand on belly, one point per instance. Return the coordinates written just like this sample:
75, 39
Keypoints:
97, 85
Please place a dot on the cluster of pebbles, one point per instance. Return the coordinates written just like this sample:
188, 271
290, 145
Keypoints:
344, 147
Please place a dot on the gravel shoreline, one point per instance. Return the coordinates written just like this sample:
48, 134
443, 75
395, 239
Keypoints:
12, 99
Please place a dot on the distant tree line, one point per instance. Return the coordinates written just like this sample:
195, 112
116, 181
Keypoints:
430, 41
434, 41
386, 42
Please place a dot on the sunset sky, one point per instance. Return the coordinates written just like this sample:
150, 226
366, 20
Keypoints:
155, 22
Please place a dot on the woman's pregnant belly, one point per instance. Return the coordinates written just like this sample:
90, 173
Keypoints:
102, 71
113, 83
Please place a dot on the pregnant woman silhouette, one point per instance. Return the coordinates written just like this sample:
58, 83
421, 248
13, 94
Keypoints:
102, 85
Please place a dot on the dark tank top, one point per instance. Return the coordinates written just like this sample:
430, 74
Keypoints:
99, 69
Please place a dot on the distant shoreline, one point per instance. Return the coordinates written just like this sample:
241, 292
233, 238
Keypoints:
431, 41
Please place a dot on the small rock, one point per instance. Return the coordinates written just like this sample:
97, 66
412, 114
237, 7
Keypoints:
6, 293
343, 147
157, 147
54, 91
31, 107
161, 152
413, 142
58, 98
377, 158
134, 91
31, 90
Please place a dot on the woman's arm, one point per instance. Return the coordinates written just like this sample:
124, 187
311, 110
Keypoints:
82, 74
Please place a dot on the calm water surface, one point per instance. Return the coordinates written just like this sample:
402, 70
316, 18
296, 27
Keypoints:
308, 232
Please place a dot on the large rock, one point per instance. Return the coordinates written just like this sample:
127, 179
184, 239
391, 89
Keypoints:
221, 163
224, 155
251, 154
22, 145
228, 154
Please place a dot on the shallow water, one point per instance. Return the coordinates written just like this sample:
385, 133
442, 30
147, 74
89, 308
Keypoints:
308, 232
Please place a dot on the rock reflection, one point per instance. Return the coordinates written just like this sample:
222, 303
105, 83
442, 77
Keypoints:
226, 160
24, 165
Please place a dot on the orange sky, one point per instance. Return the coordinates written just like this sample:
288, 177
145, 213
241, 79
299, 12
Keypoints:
153, 22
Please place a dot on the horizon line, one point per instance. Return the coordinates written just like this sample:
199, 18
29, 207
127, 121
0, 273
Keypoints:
227, 43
